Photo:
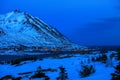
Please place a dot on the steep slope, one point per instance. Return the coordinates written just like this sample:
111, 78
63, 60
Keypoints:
19, 28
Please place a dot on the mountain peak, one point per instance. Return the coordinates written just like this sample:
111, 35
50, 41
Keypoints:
17, 11
19, 28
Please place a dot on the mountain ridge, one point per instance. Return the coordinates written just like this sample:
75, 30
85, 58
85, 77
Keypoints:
20, 28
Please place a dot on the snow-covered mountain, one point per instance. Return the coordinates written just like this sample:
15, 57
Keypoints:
19, 28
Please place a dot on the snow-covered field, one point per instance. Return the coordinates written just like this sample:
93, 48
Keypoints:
51, 67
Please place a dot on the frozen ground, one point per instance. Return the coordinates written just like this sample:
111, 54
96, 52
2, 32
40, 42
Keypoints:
72, 66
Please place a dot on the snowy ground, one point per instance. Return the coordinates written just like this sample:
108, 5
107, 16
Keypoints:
72, 66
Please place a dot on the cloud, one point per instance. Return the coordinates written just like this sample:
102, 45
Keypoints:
103, 32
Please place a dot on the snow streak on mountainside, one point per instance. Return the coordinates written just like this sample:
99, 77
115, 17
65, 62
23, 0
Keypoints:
19, 28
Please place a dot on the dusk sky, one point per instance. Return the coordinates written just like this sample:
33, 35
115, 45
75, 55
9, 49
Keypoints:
86, 22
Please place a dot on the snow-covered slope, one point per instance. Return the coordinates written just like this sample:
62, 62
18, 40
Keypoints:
19, 28
73, 66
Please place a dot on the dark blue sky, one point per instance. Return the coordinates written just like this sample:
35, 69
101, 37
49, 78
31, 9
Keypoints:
87, 22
